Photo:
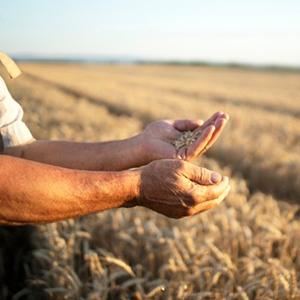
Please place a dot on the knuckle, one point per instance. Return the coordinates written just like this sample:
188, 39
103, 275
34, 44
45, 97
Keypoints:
194, 199
202, 173
179, 164
213, 194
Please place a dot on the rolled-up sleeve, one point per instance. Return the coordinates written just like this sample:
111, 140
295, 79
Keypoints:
13, 130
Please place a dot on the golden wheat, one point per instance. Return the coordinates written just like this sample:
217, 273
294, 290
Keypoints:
248, 248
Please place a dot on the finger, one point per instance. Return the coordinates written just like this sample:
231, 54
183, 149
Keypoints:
219, 125
186, 211
213, 191
200, 144
211, 204
187, 124
201, 175
212, 119
225, 116
181, 154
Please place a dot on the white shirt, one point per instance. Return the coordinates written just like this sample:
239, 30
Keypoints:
14, 132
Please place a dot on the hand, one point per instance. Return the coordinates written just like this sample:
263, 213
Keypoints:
178, 189
157, 138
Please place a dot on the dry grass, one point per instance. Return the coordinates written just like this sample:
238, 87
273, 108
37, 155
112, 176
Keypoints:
263, 134
248, 248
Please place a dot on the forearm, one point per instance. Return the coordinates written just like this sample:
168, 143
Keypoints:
33, 193
112, 156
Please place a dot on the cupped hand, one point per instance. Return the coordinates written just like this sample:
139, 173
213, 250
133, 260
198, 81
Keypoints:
158, 137
178, 189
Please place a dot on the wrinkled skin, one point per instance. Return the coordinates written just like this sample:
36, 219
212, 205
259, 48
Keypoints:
178, 189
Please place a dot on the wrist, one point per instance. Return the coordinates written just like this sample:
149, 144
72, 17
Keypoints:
132, 181
144, 152
136, 153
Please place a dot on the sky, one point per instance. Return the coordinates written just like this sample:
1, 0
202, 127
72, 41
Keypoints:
257, 31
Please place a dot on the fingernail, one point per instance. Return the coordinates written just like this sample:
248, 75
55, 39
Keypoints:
215, 177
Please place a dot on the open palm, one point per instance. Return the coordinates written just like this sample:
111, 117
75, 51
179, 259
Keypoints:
159, 136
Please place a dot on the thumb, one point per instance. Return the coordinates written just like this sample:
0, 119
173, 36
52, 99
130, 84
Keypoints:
201, 175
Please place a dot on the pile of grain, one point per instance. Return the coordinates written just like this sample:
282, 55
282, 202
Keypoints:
186, 139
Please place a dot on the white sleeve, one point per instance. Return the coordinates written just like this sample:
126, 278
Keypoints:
14, 132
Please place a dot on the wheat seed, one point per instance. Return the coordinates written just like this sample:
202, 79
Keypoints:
186, 139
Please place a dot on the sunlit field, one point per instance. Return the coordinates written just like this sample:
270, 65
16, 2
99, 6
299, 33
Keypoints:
247, 248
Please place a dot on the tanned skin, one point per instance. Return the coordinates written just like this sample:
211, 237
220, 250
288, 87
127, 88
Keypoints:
47, 181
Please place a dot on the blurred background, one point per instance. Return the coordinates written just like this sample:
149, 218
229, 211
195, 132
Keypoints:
103, 70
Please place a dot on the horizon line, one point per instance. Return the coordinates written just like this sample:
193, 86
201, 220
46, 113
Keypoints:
106, 59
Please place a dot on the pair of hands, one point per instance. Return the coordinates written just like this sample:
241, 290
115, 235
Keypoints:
170, 185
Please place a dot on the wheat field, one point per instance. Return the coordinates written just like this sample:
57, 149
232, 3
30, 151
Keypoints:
247, 248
